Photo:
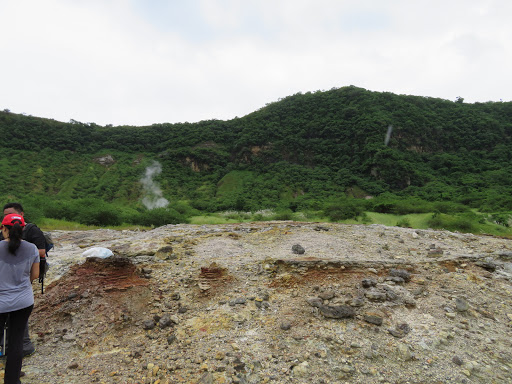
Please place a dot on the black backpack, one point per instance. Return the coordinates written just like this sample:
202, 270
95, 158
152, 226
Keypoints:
43, 263
47, 237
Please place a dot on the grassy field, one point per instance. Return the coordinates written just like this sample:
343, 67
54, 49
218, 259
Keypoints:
418, 221
63, 225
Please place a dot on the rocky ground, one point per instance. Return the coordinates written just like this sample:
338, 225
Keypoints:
275, 302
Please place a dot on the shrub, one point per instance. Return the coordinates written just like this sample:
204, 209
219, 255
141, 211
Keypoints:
344, 210
403, 222
365, 219
158, 217
501, 219
283, 215
462, 223
448, 207
99, 216
96, 212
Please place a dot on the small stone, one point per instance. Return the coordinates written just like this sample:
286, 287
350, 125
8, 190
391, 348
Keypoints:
165, 253
286, 325
239, 365
326, 295
391, 295
368, 283
375, 296
357, 302
348, 369
436, 252
400, 330
487, 265
261, 304
171, 339
207, 378
315, 301
149, 324
298, 249
301, 370
175, 296
337, 312
405, 352
406, 275
165, 322
72, 295
373, 319
395, 279
461, 304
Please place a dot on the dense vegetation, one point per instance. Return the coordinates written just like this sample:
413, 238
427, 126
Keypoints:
323, 152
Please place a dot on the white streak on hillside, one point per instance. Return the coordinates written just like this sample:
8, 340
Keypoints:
388, 135
153, 197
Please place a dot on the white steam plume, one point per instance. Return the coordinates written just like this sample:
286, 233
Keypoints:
388, 135
153, 197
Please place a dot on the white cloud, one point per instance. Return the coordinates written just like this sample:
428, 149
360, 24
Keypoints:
121, 62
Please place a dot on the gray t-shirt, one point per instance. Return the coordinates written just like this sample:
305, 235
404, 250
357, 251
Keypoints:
15, 285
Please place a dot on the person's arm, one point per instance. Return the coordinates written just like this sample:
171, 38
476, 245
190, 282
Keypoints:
34, 272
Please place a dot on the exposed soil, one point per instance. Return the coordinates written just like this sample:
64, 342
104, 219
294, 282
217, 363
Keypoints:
238, 304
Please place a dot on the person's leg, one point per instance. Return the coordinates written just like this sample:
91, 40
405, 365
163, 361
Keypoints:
17, 323
28, 347
3, 321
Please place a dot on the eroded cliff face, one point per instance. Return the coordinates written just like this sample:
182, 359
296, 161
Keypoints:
280, 302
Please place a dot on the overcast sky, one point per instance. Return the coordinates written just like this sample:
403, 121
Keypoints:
138, 62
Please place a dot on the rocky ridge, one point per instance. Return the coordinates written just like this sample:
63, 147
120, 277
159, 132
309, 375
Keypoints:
275, 302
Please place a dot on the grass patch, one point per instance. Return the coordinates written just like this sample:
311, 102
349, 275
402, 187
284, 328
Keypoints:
472, 222
54, 225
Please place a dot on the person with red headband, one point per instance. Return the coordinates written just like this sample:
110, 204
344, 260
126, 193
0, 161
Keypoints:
19, 266
34, 235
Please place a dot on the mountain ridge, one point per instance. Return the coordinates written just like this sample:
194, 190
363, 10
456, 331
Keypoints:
302, 148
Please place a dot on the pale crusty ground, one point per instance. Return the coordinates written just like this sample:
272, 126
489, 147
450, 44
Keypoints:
236, 296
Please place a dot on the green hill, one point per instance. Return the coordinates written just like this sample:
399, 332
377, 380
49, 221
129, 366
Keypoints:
304, 152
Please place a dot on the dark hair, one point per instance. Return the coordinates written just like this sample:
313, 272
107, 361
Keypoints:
15, 233
16, 206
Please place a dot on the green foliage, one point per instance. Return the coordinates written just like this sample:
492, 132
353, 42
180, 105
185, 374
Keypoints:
158, 217
85, 211
463, 223
404, 222
502, 219
305, 152
344, 209
403, 206
283, 215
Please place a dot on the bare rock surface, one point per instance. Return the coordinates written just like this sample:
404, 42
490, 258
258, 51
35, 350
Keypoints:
236, 304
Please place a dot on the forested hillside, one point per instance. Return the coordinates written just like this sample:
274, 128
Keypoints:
316, 151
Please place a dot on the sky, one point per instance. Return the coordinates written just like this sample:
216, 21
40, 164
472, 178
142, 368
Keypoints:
139, 62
